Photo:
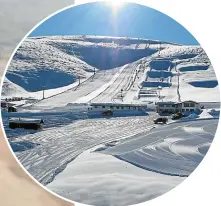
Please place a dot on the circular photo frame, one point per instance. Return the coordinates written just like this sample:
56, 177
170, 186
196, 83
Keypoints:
110, 103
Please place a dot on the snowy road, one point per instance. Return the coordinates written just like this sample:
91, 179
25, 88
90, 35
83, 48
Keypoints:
72, 95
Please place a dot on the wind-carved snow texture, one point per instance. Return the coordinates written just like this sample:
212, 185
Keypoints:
174, 150
166, 156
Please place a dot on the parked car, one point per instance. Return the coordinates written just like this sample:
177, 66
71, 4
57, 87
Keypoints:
177, 116
202, 107
163, 120
107, 113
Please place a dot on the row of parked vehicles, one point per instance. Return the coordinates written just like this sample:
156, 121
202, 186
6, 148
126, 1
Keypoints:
164, 120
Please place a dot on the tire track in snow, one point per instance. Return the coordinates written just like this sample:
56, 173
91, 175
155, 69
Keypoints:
59, 146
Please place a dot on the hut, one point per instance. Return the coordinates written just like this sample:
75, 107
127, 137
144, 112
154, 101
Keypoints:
25, 123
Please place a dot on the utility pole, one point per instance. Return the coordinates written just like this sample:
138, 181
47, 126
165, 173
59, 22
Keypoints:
175, 66
43, 92
159, 88
94, 71
79, 80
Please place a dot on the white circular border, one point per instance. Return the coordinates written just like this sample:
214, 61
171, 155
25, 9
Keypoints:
199, 187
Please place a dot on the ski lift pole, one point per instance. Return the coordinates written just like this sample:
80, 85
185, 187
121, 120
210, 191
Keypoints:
121, 91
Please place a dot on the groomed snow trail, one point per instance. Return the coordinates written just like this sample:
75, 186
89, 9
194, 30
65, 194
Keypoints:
103, 88
66, 143
80, 91
121, 83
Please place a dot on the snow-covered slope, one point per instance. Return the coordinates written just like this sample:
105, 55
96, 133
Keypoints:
106, 52
190, 76
55, 62
37, 64
11, 89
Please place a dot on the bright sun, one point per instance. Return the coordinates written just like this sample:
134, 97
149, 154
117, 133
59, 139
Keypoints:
115, 4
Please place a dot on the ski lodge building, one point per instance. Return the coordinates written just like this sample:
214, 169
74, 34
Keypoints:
98, 107
174, 107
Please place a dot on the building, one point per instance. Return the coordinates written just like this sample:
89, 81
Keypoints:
168, 107
5, 105
174, 107
100, 107
33, 124
190, 106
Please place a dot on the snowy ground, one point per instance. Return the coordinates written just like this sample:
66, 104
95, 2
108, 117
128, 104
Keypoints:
110, 161
98, 179
106, 178
64, 143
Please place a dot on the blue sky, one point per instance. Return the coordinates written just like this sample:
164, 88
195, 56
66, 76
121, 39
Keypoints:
131, 20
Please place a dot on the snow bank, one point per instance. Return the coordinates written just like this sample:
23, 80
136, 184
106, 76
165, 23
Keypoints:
98, 179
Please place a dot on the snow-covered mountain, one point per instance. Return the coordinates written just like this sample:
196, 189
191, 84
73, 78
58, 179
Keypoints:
58, 61
37, 64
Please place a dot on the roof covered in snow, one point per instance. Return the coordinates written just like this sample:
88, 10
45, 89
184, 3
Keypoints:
118, 104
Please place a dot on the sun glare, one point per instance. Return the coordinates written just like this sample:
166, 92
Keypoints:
115, 4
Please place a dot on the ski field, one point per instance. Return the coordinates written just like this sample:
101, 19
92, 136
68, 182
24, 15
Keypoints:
119, 160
